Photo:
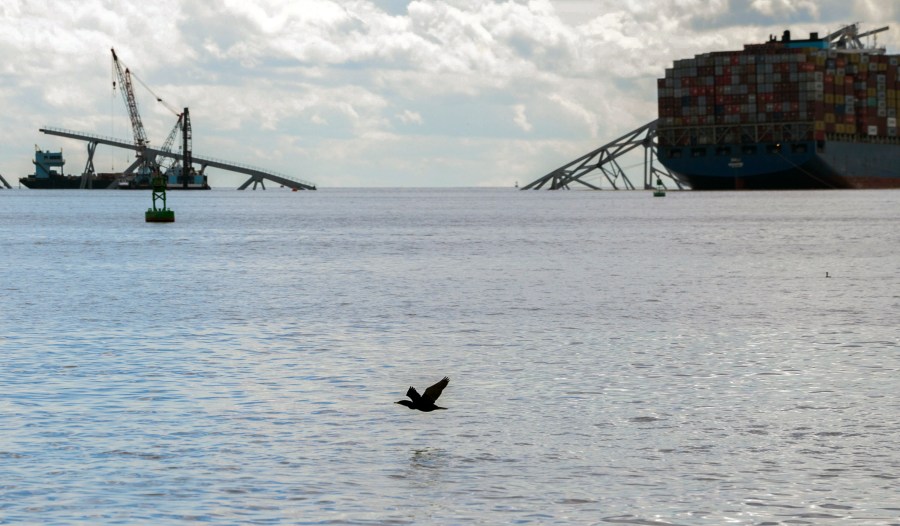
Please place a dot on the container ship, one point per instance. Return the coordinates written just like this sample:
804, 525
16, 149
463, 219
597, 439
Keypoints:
785, 114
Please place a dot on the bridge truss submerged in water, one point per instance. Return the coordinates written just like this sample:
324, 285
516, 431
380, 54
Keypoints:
604, 160
257, 175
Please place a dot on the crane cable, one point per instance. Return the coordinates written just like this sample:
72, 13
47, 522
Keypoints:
112, 114
144, 84
158, 98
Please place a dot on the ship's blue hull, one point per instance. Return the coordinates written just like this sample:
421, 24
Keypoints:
789, 166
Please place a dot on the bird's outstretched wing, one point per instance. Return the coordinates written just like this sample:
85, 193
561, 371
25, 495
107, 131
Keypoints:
414, 395
433, 392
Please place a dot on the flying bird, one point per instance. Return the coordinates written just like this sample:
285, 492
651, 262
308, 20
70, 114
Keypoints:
425, 401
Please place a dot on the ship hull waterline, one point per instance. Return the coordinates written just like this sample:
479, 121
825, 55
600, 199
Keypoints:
790, 166
74, 183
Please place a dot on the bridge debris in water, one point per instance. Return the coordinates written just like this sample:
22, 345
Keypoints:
257, 175
604, 160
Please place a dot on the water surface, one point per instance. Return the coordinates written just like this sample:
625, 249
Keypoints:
614, 358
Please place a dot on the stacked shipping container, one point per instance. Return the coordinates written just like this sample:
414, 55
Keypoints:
820, 93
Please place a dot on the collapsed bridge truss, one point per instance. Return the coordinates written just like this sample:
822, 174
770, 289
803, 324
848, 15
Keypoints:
257, 175
604, 160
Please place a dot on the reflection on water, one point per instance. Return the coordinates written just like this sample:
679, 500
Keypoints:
616, 359
428, 458
426, 469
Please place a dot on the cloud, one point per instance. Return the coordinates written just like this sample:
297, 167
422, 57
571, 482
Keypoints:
410, 117
520, 118
588, 117
412, 84
780, 7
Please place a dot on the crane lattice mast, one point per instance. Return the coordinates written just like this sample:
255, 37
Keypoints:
170, 141
124, 76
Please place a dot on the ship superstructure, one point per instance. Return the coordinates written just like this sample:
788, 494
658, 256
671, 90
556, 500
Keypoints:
49, 174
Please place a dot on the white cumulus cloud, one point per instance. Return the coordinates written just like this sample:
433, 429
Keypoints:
520, 118
410, 117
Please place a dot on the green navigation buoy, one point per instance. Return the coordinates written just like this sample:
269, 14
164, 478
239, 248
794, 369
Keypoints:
159, 214
660, 189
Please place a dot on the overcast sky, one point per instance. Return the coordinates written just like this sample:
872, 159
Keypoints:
372, 92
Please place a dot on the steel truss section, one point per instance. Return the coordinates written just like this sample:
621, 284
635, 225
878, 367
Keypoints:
256, 174
605, 160
88, 173
255, 180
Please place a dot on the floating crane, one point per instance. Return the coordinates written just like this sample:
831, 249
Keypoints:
148, 163
152, 161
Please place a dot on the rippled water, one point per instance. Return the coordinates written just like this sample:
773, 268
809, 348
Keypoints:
614, 358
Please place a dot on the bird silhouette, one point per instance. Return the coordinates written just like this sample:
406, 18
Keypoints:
425, 401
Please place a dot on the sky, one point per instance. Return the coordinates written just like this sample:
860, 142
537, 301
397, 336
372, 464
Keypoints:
371, 93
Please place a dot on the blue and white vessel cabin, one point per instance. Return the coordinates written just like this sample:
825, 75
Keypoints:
46, 162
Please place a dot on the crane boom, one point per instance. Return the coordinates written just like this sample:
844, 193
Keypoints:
124, 76
170, 140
